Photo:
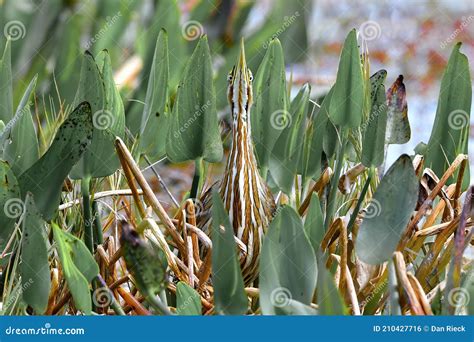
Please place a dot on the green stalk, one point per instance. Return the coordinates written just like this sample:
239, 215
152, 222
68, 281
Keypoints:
86, 208
331, 205
360, 200
98, 236
157, 304
197, 179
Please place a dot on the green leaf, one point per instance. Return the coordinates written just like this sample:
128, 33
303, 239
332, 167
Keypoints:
288, 266
97, 86
34, 267
6, 90
289, 146
229, 294
314, 223
450, 133
79, 267
373, 143
22, 149
44, 179
388, 213
269, 113
11, 206
194, 130
398, 126
188, 301
321, 135
347, 100
330, 301
155, 121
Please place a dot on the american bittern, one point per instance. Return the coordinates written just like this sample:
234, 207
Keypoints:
245, 194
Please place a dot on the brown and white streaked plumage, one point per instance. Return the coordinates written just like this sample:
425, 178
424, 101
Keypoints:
245, 194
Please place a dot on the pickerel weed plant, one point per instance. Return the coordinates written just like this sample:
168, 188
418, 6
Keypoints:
304, 218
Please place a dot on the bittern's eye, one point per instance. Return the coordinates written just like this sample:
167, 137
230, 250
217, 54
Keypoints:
229, 77
250, 76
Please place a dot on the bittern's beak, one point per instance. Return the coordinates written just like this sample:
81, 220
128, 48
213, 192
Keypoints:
242, 64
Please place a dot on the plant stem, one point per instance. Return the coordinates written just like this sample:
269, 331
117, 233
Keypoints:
158, 304
98, 236
86, 208
198, 173
331, 204
359, 201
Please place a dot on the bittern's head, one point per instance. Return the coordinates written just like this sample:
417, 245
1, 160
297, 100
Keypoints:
240, 87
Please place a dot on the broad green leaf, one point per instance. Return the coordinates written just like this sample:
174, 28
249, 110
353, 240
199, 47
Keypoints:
44, 179
6, 90
373, 142
347, 100
194, 130
155, 121
146, 263
2, 127
79, 267
188, 301
167, 16
21, 151
330, 301
11, 205
398, 126
450, 133
321, 135
288, 266
97, 86
289, 146
34, 267
388, 213
314, 223
229, 294
269, 114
